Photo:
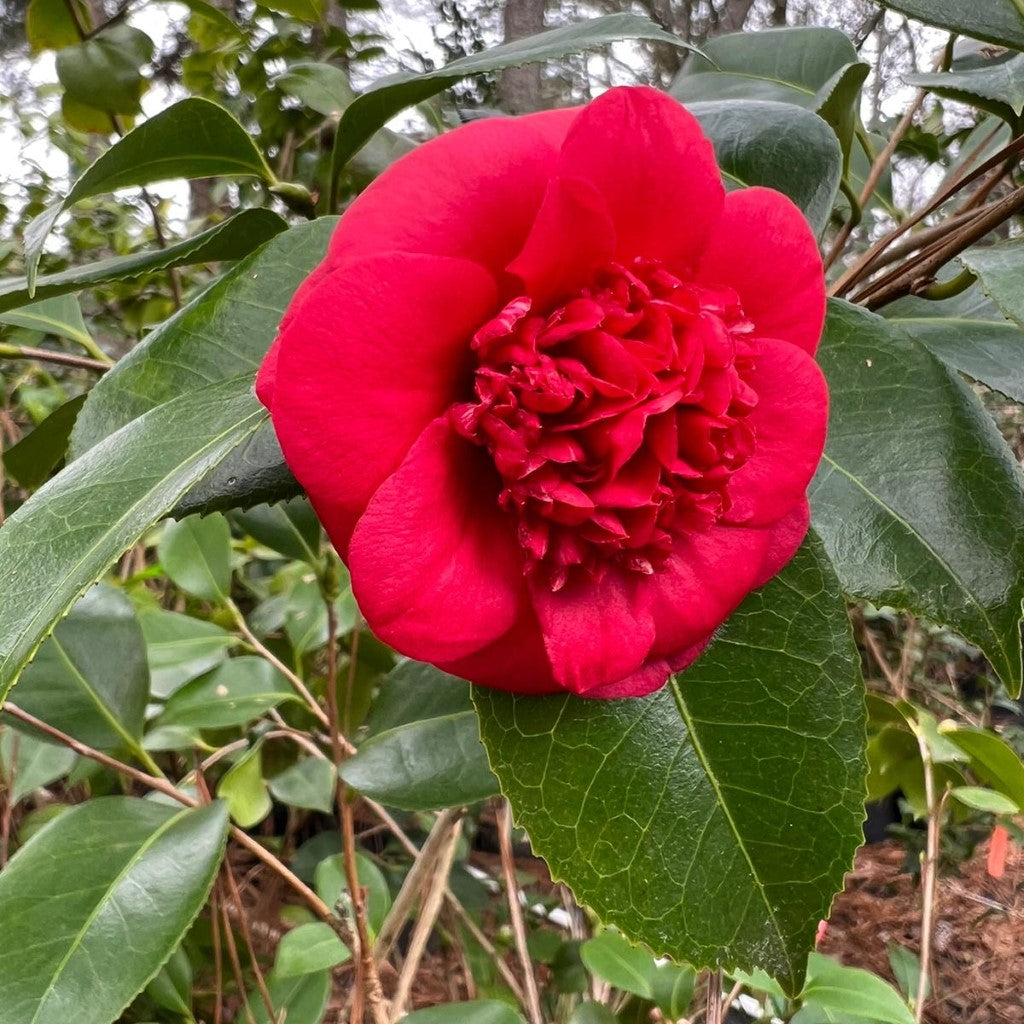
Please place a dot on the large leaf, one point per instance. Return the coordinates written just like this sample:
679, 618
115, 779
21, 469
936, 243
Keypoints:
230, 240
95, 903
714, 819
777, 145
389, 96
225, 331
997, 86
993, 760
90, 679
194, 138
64, 537
996, 21
59, 316
918, 500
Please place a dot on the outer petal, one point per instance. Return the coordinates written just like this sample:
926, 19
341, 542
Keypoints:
472, 193
789, 423
377, 350
764, 249
435, 565
646, 154
784, 538
652, 676
594, 633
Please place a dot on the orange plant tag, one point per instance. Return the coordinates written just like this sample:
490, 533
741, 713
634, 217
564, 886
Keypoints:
997, 851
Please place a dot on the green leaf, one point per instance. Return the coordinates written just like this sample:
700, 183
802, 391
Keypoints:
196, 554
997, 86
614, 959
984, 800
230, 240
303, 10
906, 969
298, 1000
330, 882
244, 790
240, 690
593, 1013
215, 15
673, 989
110, 877
853, 991
309, 948
27, 762
104, 71
476, 1011
413, 692
66, 535
917, 497
290, 528
34, 457
90, 678
50, 25
996, 21
308, 783
715, 818
321, 87
389, 96
776, 145
433, 762
172, 987
225, 331
60, 316
180, 648
194, 138
999, 267
992, 759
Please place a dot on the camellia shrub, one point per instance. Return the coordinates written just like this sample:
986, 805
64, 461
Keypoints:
609, 413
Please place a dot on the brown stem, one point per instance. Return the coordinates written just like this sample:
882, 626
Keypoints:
236, 963
8, 809
45, 355
713, 1015
515, 910
218, 960
243, 922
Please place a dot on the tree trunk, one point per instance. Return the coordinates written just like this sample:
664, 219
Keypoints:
519, 89
733, 15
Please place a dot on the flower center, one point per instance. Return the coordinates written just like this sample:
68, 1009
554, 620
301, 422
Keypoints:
616, 422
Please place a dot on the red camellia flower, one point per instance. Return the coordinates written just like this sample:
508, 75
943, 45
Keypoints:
552, 394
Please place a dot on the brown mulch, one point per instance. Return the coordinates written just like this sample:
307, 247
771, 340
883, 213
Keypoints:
978, 962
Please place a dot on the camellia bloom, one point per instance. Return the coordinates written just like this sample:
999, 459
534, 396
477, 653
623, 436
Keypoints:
552, 394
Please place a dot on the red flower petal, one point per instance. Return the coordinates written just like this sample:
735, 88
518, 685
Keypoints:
471, 193
647, 156
785, 537
436, 569
789, 423
594, 631
652, 676
378, 350
763, 248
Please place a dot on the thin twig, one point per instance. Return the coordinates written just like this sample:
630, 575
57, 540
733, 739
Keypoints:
243, 921
7, 816
236, 963
731, 998
218, 959
515, 910
46, 355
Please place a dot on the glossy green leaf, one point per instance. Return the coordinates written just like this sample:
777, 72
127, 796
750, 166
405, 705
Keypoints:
27, 762
593, 1013
194, 138
984, 800
290, 528
196, 554
296, 1000
236, 692
244, 790
389, 96
309, 948
36, 455
172, 987
999, 268
64, 537
324, 88
997, 86
616, 960
476, 1011
992, 759
997, 21
673, 989
112, 875
59, 316
433, 762
853, 991
414, 692
180, 648
308, 783
917, 497
104, 71
90, 678
721, 812
225, 331
230, 240
330, 881
776, 145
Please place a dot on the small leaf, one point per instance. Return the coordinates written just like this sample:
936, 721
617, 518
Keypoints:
673, 989
906, 969
180, 648
984, 800
118, 874
27, 763
104, 71
172, 987
917, 501
992, 759
50, 24
853, 991
36, 455
996, 21
593, 1013
290, 528
331, 882
244, 790
309, 948
614, 959
391, 95
60, 316
238, 691
308, 783
196, 554
477, 1011
321, 87
996, 86
296, 1000
194, 138
999, 267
